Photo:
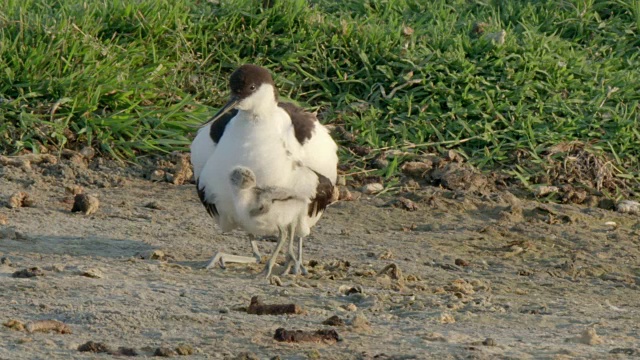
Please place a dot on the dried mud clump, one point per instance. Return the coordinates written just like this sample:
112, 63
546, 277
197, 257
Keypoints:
25, 161
48, 325
417, 168
403, 203
326, 336
164, 352
94, 347
573, 162
13, 324
20, 199
335, 320
628, 207
124, 351
257, 307
28, 273
87, 204
182, 172
176, 169
461, 177
184, 349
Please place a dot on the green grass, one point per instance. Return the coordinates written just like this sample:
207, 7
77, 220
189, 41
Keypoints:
132, 78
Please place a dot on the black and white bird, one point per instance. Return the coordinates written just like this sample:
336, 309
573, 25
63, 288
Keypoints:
274, 140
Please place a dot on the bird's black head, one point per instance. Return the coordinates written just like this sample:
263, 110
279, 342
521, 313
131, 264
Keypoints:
247, 79
251, 87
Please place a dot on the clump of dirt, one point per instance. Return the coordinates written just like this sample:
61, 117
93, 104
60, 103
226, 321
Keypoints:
28, 273
87, 204
175, 169
95, 347
461, 177
577, 170
20, 199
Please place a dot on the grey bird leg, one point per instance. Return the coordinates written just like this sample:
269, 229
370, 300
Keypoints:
295, 263
283, 233
299, 268
254, 248
291, 256
221, 258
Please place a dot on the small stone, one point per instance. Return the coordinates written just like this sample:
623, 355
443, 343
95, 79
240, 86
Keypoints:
5, 261
497, 37
351, 307
373, 188
479, 28
16, 325
246, 355
95, 347
88, 152
157, 175
93, 273
184, 349
606, 204
154, 205
544, 190
125, 351
406, 204
8, 232
435, 337
21, 236
345, 194
56, 268
74, 189
87, 204
335, 320
3, 219
628, 207
489, 342
589, 337
360, 322
28, 273
155, 255
461, 262
416, 168
446, 318
49, 343
164, 352
625, 351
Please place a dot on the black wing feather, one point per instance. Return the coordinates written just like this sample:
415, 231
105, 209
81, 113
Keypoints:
218, 126
304, 123
211, 207
324, 195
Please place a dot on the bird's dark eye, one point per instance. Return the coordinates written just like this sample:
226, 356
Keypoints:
252, 87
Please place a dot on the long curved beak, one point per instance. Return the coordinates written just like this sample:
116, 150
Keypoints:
233, 101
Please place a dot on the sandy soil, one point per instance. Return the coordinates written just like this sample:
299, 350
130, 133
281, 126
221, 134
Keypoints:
473, 276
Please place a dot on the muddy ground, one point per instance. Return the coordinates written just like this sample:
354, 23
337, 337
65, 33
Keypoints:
469, 275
